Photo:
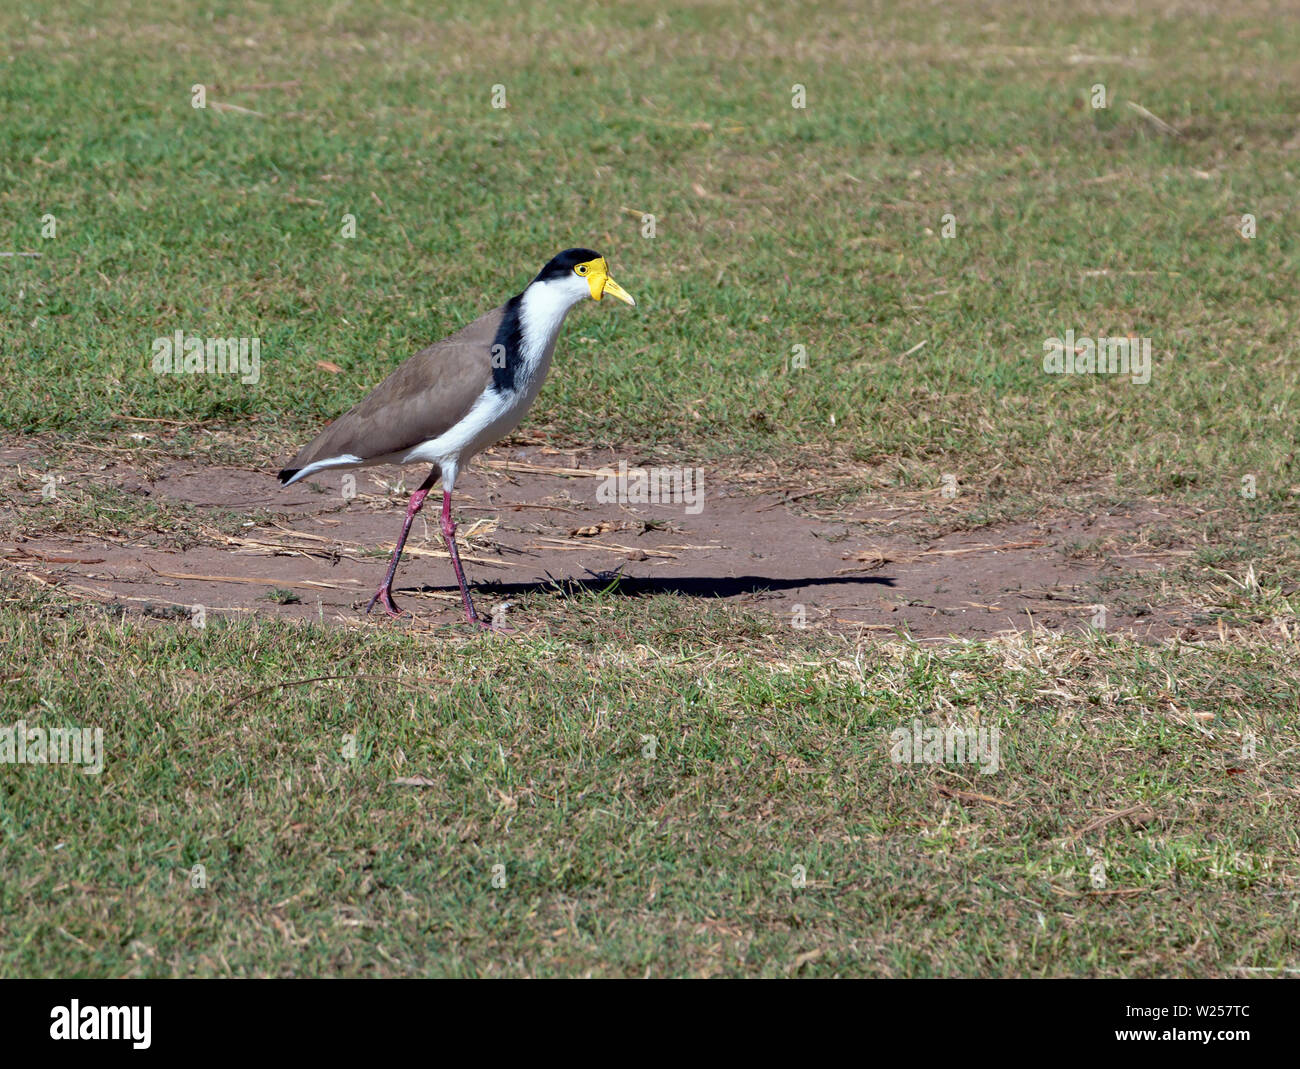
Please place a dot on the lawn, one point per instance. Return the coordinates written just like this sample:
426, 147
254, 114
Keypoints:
663, 785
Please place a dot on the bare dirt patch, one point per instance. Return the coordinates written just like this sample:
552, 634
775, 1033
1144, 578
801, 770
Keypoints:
530, 521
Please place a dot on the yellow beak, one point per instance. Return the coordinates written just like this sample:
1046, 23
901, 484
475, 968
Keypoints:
615, 290
600, 283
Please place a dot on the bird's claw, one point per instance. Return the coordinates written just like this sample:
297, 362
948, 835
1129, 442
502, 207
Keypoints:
385, 594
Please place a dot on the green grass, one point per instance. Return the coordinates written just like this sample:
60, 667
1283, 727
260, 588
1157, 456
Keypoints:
776, 227
769, 753
817, 227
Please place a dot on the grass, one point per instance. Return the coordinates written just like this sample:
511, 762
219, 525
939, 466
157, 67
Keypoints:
649, 793
774, 227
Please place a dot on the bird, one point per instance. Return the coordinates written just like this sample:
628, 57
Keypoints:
458, 396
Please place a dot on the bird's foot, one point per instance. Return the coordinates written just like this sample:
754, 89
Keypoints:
385, 594
492, 623
496, 629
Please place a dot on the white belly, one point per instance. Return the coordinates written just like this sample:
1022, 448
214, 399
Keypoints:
493, 416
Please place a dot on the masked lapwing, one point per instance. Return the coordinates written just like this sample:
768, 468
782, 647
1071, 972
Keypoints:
459, 396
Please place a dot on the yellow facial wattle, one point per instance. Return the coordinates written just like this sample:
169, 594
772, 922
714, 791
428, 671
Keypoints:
596, 272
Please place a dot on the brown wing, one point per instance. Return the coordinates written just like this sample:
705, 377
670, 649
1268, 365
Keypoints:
423, 398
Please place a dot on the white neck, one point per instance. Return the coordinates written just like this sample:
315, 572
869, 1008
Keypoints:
542, 312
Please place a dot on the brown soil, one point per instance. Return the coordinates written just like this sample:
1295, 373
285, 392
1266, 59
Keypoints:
522, 522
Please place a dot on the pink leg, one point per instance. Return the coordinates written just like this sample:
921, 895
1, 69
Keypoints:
385, 592
449, 533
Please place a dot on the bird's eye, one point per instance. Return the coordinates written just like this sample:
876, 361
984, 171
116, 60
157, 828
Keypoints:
581, 269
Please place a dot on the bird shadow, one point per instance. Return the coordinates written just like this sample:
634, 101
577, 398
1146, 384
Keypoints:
636, 586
